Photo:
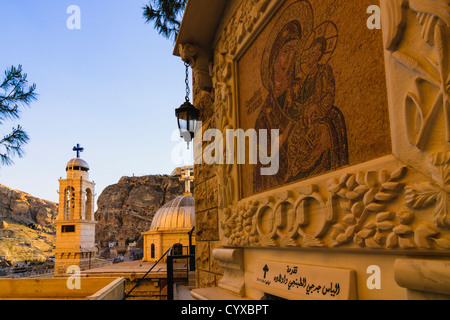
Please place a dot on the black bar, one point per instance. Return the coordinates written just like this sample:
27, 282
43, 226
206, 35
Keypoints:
169, 277
191, 251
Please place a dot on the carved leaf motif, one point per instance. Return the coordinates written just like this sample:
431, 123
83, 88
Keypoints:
370, 225
334, 188
350, 182
422, 241
357, 209
391, 186
384, 216
444, 243
379, 238
343, 179
418, 126
359, 241
409, 62
360, 176
422, 235
341, 238
405, 217
371, 243
395, 23
339, 227
385, 225
375, 207
405, 243
342, 193
362, 189
427, 230
346, 205
403, 230
384, 176
438, 8
350, 231
398, 174
392, 240
369, 196
351, 195
288, 242
384, 196
420, 195
371, 178
442, 210
349, 219
439, 174
365, 233
311, 241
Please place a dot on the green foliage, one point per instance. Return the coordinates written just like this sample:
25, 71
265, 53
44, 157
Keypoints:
14, 94
165, 15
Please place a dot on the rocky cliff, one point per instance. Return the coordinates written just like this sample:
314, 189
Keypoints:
126, 209
27, 230
24, 208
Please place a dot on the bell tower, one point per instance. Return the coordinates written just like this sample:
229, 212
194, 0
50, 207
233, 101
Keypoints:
75, 224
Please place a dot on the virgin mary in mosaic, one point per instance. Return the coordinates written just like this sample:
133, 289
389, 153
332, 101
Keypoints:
300, 98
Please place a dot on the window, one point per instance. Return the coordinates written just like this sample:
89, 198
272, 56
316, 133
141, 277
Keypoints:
152, 251
68, 228
88, 204
69, 203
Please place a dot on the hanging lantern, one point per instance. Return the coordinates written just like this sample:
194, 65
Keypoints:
187, 115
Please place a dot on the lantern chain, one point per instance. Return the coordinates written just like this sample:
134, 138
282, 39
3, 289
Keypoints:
187, 81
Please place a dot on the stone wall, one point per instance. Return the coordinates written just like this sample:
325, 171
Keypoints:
206, 201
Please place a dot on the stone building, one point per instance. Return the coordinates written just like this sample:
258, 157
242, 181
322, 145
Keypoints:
75, 223
354, 195
170, 227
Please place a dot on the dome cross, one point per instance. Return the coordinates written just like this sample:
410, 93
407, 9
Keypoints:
78, 149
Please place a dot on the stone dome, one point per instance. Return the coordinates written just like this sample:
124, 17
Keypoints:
178, 214
77, 164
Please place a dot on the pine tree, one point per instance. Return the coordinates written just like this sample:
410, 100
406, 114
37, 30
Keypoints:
14, 94
166, 16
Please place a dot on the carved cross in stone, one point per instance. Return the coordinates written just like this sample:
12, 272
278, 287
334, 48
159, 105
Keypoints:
78, 149
265, 269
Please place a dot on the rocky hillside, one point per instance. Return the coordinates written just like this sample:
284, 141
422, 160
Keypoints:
126, 209
27, 230
24, 208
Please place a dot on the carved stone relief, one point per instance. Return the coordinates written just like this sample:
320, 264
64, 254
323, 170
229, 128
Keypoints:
416, 34
373, 208
397, 202
434, 20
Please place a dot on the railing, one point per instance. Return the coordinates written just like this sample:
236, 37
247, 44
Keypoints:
190, 266
128, 294
170, 270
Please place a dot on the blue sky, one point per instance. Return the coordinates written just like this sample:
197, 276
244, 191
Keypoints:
111, 86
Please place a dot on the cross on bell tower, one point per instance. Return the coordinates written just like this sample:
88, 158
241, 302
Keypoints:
78, 149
